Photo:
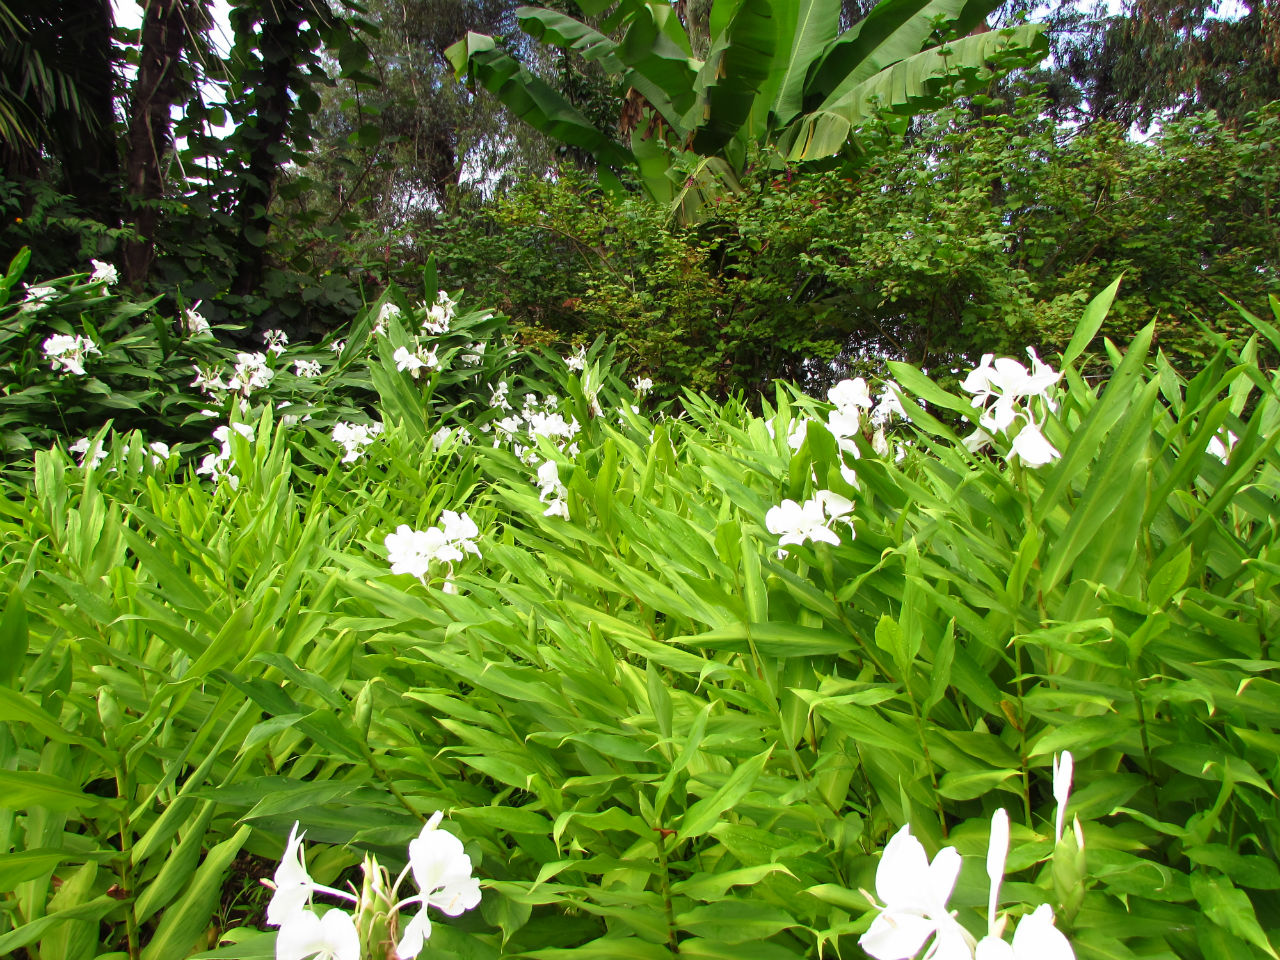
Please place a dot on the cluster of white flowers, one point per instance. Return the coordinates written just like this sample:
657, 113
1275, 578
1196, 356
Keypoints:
642, 385
193, 322
218, 466
414, 551
91, 452
250, 372
67, 352
577, 361
446, 434
103, 273
812, 520
914, 895
441, 870
38, 298
498, 395
855, 406
473, 356
387, 311
1004, 391
416, 361
439, 315
354, 437
338, 346
276, 341
538, 418
308, 369
551, 491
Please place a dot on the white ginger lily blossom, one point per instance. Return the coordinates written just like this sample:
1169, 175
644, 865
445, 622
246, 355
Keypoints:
642, 385
1036, 938
308, 369
914, 894
67, 352
354, 438
250, 373
413, 551
90, 454
1220, 449
797, 523
338, 346
577, 360
37, 298
103, 273
193, 322
551, 491
292, 883
276, 341
306, 936
442, 871
1031, 447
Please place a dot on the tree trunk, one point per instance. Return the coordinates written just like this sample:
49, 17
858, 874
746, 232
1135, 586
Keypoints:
267, 134
155, 91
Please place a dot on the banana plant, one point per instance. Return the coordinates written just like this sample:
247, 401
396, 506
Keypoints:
779, 81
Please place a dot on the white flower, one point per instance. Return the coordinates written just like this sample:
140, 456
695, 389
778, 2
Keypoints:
474, 354
578, 360
250, 373
160, 452
331, 937
90, 455
354, 437
799, 429
275, 341
1063, 768
68, 352
439, 315
387, 312
797, 523
1007, 381
103, 273
642, 385
889, 405
997, 854
498, 395
293, 885
1031, 447
306, 368
1036, 938
338, 346
208, 380
37, 298
915, 894
851, 395
1222, 450
551, 491
411, 551
193, 323
442, 871
460, 531
415, 362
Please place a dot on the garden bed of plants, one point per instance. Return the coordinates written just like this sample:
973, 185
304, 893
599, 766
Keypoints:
710, 680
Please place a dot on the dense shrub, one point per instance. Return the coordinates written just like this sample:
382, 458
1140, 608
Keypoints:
652, 732
977, 235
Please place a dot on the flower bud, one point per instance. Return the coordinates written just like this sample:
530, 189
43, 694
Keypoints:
1069, 872
109, 711
364, 710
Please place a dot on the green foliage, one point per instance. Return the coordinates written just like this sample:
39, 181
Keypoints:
981, 238
650, 730
779, 81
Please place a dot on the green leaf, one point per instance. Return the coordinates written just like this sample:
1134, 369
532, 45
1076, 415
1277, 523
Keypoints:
186, 920
1090, 322
703, 815
13, 637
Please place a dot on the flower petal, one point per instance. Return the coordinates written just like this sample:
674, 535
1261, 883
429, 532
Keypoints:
992, 948
902, 871
1038, 939
896, 936
416, 934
